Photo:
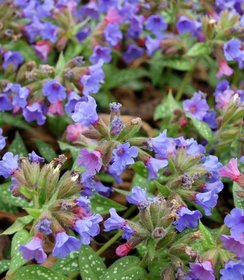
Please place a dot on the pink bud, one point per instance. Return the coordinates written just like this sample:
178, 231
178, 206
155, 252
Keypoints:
42, 49
231, 171
56, 108
123, 250
74, 131
182, 122
224, 69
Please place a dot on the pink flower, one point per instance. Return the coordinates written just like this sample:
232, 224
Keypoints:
113, 16
224, 69
123, 250
231, 171
42, 49
56, 108
73, 132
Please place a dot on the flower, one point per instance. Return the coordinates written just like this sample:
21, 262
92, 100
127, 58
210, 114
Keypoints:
132, 52
73, 132
2, 140
91, 161
65, 244
44, 226
201, 271
207, 201
152, 45
112, 34
34, 112
100, 53
235, 221
154, 165
197, 106
232, 270
85, 112
88, 228
123, 249
114, 222
187, 219
116, 125
232, 49
8, 164
12, 58
123, 155
54, 91
5, 103
138, 196
91, 81
42, 49
184, 24
33, 157
224, 70
234, 245
73, 99
231, 171
34, 250
156, 25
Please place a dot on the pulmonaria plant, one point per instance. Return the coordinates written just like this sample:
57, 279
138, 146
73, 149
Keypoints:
58, 213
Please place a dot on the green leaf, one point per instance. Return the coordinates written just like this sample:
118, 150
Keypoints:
101, 204
198, 49
18, 147
151, 245
45, 150
10, 199
60, 65
36, 272
166, 107
16, 121
18, 225
67, 265
208, 240
238, 201
20, 238
91, 265
177, 63
4, 265
140, 169
203, 129
125, 268
67, 147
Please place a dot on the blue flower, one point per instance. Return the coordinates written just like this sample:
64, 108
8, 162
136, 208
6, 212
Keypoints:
233, 270
100, 53
8, 164
65, 244
112, 34
35, 112
154, 165
12, 58
2, 140
54, 91
133, 52
33, 157
207, 200
156, 25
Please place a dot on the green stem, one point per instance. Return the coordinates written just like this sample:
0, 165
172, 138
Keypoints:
109, 243
183, 85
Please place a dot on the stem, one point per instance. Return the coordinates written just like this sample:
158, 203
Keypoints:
109, 243
183, 85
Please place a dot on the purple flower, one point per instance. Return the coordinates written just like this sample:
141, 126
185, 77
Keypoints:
233, 271
34, 112
5, 103
104, 5
223, 99
116, 125
133, 52
156, 25
49, 32
187, 219
2, 140
83, 34
83, 202
34, 158
20, 96
73, 99
136, 27
85, 112
65, 244
100, 52
152, 45
34, 250
89, 10
12, 58
234, 245
115, 107
154, 165
44, 226
54, 91
193, 148
242, 159
185, 24
114, 222
207, 201
138, 196
112, 34
88, 228
123, 155
91, 81
162, 145
197, 106
8, 164
201, 271
91, 161
232, 49
212, 164
210, 119
235, 221
101, 189
216, 186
